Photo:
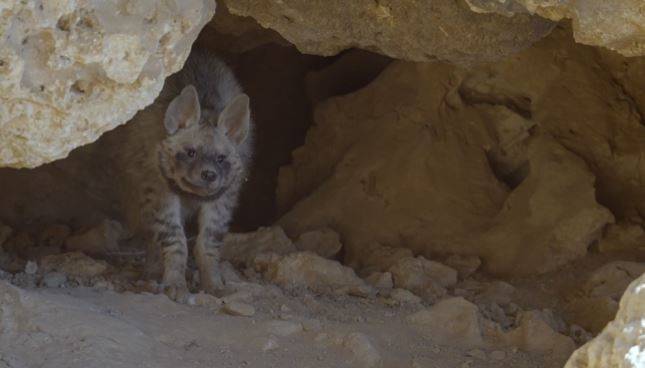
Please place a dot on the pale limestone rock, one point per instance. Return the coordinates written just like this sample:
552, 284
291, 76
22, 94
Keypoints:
70, 70
381, 280
73, 264
535, 334
404, 296
418, 31
621, 343
379, 258
450, 321
312, 271
283, 328
238, 309
99, 240
418, 273
592, 313
324, 242
612, 279
364, 351
242, 249
616, 24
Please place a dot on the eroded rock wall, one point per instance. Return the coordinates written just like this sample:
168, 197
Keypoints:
72, 70
505, 160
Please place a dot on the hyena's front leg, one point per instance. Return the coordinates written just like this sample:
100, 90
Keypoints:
207, 252
170, 239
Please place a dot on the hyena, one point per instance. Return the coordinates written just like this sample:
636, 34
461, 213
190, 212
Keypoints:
185, 158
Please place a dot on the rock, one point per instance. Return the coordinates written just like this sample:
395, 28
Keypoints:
205, 300
283, 328
54, 279
450, 321
404, 296
534, 334
238, 309
498, 292
620, 29
379, 258
592, 313
418, 273
242, 249
465, 265
99, 240
417, 31
73, 264
477, 353
517, 221
310, 270
622, 236
54, 236
70, 71
270, 343
5, 233
312, 325
612, 279
620, 344
365, 353
324, 242
381, 280
31, 268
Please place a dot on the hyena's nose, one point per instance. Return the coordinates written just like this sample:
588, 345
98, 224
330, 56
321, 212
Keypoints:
209, 175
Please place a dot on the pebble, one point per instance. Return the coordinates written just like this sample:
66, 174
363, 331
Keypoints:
312, 325
363, 349
31, 268
239, 309
477, 353
404, 296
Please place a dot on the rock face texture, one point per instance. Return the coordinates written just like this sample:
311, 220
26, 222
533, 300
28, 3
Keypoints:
72, 70
498, 161
420, 31
621, 343
615, 24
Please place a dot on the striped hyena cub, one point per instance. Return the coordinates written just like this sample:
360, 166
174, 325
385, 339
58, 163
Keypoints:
183, 158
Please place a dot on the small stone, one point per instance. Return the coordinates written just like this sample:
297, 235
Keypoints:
612, 279
498, 355
54, 236
534, 334
452, 320
73, 264
418, 273
324, 242
379, 258
465, 265
238, 296
381, 280
363, 350
54, 279
205, 300
31, 268
477, 353
239, 309
242, 249
99, 240
283, 328
270, 344
404, 296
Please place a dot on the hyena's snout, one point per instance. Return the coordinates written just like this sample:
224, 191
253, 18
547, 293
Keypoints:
208, 176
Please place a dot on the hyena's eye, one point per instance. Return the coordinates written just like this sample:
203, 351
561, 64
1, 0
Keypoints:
191, 152
220, 159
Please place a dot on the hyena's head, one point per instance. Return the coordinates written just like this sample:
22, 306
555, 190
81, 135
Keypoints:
201, 154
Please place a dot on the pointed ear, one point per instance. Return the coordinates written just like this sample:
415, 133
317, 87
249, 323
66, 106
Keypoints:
183, 111
236, 119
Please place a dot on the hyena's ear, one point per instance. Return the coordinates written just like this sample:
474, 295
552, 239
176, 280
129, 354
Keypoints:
236, 119
183, 111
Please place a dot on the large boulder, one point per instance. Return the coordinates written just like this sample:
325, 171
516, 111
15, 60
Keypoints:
70, 70
419, 30
621, 343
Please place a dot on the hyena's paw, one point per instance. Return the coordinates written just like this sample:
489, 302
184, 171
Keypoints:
177, 292
213, 284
